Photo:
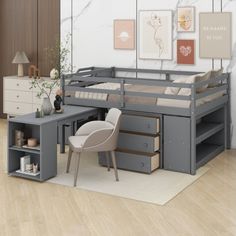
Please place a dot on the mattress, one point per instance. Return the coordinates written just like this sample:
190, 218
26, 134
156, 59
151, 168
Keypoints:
115, 98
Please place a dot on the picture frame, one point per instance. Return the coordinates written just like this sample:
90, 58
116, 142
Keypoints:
124, 34
185, 51
215, 35
186, 19
155, 34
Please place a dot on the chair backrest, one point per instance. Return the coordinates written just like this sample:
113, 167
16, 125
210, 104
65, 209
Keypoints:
109, 135
114, 117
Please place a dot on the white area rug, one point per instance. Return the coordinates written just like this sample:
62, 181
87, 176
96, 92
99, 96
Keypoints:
158, 188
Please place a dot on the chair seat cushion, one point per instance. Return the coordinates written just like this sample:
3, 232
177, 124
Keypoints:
76, 143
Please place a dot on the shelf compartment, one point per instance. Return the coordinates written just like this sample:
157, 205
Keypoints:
16, 174
26, 150
206, 130
206, 152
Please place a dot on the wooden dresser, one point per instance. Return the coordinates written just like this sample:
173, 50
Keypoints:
138, 144
18, 98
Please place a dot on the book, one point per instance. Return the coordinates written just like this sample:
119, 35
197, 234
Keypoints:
23, 161
28, 173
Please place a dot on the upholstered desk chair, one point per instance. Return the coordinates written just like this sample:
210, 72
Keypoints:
96, 136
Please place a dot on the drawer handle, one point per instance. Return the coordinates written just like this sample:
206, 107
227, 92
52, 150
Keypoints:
17, 96
146, 145
17, 108
17, 84
148, 126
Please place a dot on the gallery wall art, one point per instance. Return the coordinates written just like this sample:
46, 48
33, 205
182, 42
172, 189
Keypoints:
155, 35
186, 52
186, 19
124, 34
215, 35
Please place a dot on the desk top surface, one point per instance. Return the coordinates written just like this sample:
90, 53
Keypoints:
69, 111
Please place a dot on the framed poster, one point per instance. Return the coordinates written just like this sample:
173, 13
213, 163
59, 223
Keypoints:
186, 19
215, 32
155, 35
186, 52
124, 34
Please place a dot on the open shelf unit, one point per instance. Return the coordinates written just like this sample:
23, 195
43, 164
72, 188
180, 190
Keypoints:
210, 137
44, 156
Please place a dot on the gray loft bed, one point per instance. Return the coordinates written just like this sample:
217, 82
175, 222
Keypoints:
206, 126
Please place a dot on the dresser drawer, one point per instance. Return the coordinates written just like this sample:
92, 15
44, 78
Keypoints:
16, 108
18, 96
148, 125
133, 161
17, 84
137, 142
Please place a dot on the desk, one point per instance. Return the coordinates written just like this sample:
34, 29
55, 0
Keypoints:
46, 131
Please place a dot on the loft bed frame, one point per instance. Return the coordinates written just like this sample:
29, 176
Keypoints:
83, 78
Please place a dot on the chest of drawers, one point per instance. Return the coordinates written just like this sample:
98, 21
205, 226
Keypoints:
18, 98
138, 144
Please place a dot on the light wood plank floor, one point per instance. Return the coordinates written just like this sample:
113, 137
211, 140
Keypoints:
208, 207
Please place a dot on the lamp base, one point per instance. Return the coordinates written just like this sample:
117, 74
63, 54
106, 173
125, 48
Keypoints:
20, 70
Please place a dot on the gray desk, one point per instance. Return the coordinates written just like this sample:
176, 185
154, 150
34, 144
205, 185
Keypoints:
46, 131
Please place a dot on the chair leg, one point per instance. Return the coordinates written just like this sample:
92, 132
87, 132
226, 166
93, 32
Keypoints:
69, 160
114, 165
108, 160
77, 170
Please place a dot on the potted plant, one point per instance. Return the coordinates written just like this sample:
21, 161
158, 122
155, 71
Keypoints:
58, 59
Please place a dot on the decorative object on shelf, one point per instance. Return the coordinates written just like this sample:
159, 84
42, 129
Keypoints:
37, 113
57, 104
186, 19
185, 52
54, 74
28, 167
33, 71
23, 161
155, 35
35, 168
215, 32
47, 106
20, 59
19, 138
32, 142
124, 34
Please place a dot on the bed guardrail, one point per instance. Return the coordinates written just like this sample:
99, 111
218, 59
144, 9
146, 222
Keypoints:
80, 81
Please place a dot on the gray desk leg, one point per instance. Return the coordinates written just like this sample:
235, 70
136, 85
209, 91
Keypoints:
62, 141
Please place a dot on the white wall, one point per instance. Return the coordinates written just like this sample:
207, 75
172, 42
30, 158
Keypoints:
92, 35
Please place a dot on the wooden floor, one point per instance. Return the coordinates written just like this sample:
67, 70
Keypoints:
208, 207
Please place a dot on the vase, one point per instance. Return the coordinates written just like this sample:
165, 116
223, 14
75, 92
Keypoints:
47, 106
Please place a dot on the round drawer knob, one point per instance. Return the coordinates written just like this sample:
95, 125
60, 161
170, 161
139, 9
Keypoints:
17, 108
17, 96
142, 164
17, 84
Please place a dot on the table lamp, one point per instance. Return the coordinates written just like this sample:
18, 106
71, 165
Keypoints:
20, 59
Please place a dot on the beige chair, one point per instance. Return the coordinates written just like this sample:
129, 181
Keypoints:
96, 136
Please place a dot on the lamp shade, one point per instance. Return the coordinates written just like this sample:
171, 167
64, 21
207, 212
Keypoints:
20, 58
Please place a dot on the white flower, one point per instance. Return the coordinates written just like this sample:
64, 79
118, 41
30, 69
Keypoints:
54, 74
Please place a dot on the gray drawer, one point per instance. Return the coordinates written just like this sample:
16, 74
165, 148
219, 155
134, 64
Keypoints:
148, 125
137, 142
133, 161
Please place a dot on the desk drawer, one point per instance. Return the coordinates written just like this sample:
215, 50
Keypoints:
18, 96
148, 125
16, 108
137, 142
133, 161
17, 84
